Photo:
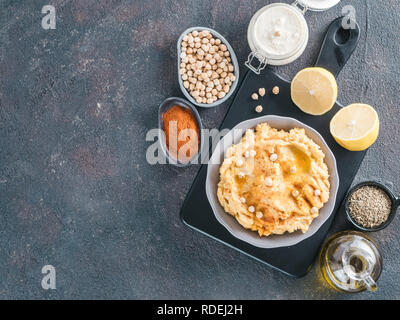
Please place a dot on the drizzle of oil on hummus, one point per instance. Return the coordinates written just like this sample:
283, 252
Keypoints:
280, 176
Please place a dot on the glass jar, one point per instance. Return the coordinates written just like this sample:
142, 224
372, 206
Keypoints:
278, 33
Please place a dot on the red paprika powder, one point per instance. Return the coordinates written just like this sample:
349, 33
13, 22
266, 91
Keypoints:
181, 131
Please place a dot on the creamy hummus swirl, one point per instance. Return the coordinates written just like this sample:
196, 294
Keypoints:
274, 181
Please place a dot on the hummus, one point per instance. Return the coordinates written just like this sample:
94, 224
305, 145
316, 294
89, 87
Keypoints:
274, 181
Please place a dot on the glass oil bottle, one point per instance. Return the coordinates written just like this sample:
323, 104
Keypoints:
351, 262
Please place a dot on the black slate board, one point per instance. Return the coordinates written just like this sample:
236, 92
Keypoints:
196, 211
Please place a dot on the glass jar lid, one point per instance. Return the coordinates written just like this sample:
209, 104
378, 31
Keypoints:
317, 5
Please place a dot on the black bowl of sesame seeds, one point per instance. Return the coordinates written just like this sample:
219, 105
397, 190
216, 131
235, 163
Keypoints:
371, 206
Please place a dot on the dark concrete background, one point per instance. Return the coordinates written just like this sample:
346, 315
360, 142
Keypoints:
76, 191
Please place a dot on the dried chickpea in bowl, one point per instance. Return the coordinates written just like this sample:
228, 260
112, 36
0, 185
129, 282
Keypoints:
208, 68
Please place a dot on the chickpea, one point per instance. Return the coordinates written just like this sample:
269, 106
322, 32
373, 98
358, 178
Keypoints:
186, 84
223, 47
275, 90
210, 100
195, 33
218, 41
204, 100
205, 48
184, 77
221, 95
199, 100
227, 88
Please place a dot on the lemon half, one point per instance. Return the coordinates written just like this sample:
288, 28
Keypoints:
355, 127
314, 90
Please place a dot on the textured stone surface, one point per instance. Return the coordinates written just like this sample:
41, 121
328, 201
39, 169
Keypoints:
75, 188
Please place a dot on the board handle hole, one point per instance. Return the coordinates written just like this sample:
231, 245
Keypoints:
342, 36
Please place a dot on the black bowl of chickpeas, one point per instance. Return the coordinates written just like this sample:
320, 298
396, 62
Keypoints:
208, 69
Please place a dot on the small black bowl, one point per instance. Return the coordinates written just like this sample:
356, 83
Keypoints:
395, 206
165, 106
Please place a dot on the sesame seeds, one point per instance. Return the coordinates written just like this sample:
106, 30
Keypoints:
243, 200
259, 215
293, 170
252, 209
370, 206
317, 193
253, 153
314, 210
273, 157
295, 193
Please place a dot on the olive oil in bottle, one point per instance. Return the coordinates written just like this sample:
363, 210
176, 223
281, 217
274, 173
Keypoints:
351, 262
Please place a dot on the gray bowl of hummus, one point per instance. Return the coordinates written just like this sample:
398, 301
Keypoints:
243, 228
